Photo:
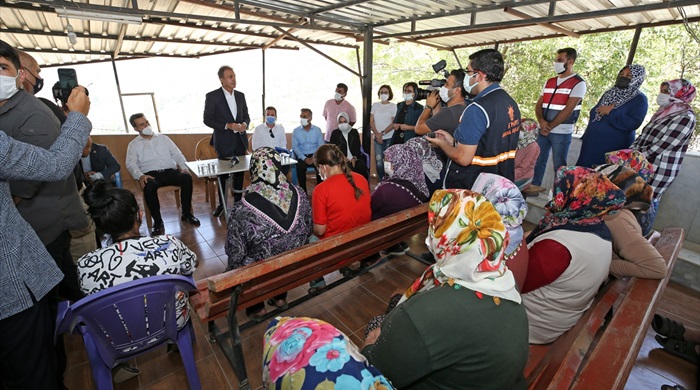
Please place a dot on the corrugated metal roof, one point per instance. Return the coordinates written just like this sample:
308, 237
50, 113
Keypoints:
191, 28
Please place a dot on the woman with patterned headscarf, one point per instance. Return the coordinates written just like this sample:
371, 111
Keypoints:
527, 153
664, 140
616, 117
461, 322
633, 255
569, 252
274, 216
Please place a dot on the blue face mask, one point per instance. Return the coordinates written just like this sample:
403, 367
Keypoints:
270, 120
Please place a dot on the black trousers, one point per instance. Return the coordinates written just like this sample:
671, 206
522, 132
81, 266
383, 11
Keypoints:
27, 358
301, 167
167, 177
237, 186
259, 306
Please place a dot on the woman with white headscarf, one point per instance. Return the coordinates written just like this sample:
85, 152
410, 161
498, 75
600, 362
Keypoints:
347, 139
616, 117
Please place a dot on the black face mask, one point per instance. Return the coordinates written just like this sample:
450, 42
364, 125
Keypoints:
622, 82
38, 86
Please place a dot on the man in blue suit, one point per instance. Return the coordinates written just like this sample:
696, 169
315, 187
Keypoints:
226, 112
98, 163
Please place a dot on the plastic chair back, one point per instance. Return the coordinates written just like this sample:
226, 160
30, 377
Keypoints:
121, 322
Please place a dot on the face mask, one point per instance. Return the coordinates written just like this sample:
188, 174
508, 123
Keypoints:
38, 86
344, 127
407, 97
8, 87
147, 131
560, 67
270, 120
664, 100
444, 94
622, 82
388, 170
338, 96
304, 122
468, 87
384, 97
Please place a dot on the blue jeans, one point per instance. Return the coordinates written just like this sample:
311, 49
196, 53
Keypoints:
379, 156
559, 143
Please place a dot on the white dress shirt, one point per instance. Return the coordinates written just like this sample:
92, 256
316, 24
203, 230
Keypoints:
261, 137
160, 152
231, 101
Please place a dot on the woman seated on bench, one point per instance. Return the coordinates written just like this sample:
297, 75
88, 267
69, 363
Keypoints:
569, 252
461, 323
274, 216
511, 205
347, 140
633, 255
340, 203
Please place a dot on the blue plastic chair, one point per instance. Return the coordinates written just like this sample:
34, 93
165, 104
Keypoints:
124, 321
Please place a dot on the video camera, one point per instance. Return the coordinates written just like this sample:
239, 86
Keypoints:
67, 80
434, 84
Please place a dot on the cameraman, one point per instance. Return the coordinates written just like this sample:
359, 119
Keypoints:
487, 136
434, 117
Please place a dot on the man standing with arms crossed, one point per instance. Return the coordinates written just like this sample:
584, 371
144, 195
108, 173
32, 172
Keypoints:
226, 112
557, 111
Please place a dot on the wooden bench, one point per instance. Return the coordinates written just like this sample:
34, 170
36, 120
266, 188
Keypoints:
601, 349
224, 294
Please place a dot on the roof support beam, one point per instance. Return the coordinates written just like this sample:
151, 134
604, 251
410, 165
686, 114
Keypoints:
633, 46
326, 56
333, 7
366, 82
302, 12
522, 15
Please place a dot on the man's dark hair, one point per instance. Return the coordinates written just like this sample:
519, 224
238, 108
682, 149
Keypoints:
222, 70
459, 80
133, 118
270, 108
308, 111
570, 53
489, 62
342, 85
10, 54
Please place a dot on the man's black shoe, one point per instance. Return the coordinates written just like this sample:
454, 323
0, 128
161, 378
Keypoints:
191, 219
158, 229
218, 211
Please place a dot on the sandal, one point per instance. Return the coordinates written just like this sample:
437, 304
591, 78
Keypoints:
276, 303
258, 316
316, 290
681, 348
667, 327
669, 387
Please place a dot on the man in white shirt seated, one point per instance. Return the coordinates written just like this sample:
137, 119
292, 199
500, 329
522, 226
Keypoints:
269, 133
155, 161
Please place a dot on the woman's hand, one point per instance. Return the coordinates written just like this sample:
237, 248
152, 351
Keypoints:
378, 138
372, 337
605, 110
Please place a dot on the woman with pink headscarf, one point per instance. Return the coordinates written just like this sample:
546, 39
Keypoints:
664, 140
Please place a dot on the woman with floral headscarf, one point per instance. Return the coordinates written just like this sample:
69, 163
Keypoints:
274, 216
309, 354
616, 117
527, 153
461, 323
569, 252
664, 140
633, 255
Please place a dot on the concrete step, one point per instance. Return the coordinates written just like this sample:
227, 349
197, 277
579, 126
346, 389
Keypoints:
686, 271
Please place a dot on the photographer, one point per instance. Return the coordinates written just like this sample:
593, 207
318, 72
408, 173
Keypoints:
434, 117
487, 136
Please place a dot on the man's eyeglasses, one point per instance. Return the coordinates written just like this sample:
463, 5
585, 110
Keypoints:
271, 134
470, 72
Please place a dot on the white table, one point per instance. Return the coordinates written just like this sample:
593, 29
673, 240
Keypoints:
216, 168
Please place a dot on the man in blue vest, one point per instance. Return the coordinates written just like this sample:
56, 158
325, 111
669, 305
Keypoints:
487, 135
557, 111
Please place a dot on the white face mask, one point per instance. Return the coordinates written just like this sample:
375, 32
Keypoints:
304, 122
664, 100
560, 67
388, 169
344, 127
322, 174
444, 94
468, 87
338, 96
8, 87
407, 97
147, 131
384, 97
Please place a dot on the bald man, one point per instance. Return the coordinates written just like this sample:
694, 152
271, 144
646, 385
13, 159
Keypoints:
33, 83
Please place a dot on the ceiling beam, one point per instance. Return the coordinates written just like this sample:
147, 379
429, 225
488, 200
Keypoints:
426, 34
319, 52
523, 15
333, 7
304, 12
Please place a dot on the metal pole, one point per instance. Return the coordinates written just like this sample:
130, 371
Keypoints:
119, 92
633, 46
263, 82
459, 63
155, 111
367, 91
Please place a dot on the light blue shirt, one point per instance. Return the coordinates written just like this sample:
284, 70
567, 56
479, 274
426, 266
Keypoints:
306, 141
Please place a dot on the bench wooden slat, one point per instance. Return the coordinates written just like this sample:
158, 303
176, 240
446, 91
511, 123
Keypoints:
624, 336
